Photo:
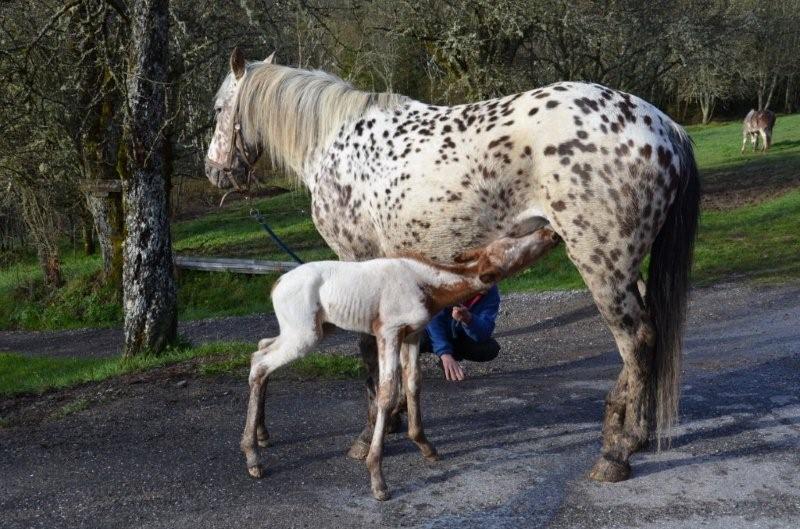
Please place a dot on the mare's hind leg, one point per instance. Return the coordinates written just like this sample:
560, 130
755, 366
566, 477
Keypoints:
626, 426
388, 373
279, 353
411, 385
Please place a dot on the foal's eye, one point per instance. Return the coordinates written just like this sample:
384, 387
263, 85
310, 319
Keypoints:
217, 110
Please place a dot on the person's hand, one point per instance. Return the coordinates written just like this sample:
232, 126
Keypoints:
462, 314
452, 369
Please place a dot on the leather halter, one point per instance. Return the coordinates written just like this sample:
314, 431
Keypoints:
237, 143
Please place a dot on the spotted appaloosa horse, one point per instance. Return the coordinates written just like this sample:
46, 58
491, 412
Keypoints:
758, 123
614, 176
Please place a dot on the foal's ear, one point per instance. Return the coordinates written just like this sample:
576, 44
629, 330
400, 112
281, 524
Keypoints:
238, 63
489, 277
270, 59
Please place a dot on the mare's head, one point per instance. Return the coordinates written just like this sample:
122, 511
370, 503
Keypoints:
229, 158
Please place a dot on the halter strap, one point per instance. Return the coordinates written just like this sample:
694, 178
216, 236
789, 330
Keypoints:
237, 142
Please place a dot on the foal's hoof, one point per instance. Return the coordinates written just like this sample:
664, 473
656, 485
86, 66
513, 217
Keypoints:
610, 470
381, 494
256, 472
262, 439
432, 457
358, 451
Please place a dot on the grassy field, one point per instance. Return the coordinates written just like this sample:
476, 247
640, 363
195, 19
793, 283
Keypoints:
760, 241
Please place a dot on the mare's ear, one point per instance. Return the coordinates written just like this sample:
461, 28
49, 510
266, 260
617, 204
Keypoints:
270, 59
468, 255
238, 63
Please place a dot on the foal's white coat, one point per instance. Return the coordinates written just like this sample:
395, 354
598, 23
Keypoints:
391, 298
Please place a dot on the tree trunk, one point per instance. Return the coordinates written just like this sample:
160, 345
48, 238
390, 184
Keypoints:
100, 139
707, 104
787, 103
37, 212
771, 91
87, 228
149, 292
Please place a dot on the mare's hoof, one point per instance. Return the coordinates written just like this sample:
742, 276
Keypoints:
642, 445
381, 494
358, 451
610, 470
256, 472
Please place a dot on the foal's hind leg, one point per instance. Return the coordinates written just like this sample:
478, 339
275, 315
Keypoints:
411, 385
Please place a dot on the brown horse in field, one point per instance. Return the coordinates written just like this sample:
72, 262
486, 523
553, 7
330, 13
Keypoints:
758, 123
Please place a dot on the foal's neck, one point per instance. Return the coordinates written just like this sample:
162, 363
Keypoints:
448, 284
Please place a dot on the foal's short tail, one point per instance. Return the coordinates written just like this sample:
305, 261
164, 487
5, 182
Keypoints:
668, 285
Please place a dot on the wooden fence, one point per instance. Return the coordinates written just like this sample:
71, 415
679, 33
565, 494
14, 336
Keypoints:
242, 266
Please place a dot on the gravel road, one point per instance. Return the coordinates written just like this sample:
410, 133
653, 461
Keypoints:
516, 438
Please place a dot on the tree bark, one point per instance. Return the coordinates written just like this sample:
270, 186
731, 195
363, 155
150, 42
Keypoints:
100, 138
771, 91
707, 104
149, 292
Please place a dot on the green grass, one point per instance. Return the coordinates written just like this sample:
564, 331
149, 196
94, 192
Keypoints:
315, 365
71, 407
22, 375
759, 241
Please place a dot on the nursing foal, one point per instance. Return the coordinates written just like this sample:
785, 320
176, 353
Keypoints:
392, 299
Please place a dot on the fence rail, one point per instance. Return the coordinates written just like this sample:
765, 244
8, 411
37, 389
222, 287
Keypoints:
241, 266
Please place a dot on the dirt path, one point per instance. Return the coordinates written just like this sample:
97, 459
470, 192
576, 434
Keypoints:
516, 439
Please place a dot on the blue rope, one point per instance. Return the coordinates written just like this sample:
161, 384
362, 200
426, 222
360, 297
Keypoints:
263, 221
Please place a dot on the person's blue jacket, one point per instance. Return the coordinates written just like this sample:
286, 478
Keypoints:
443, 330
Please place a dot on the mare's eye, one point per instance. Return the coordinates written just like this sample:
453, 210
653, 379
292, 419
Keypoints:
217, 110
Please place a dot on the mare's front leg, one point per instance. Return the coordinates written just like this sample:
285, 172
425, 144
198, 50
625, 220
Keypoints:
411, 385
388, 377
369, 355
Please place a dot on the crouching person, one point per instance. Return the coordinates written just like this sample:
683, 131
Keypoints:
464, 332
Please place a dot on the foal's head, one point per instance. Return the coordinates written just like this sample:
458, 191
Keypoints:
508, 255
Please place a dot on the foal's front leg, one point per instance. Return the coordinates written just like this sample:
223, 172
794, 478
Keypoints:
262, 434
388, 359
255, 410
411, 385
